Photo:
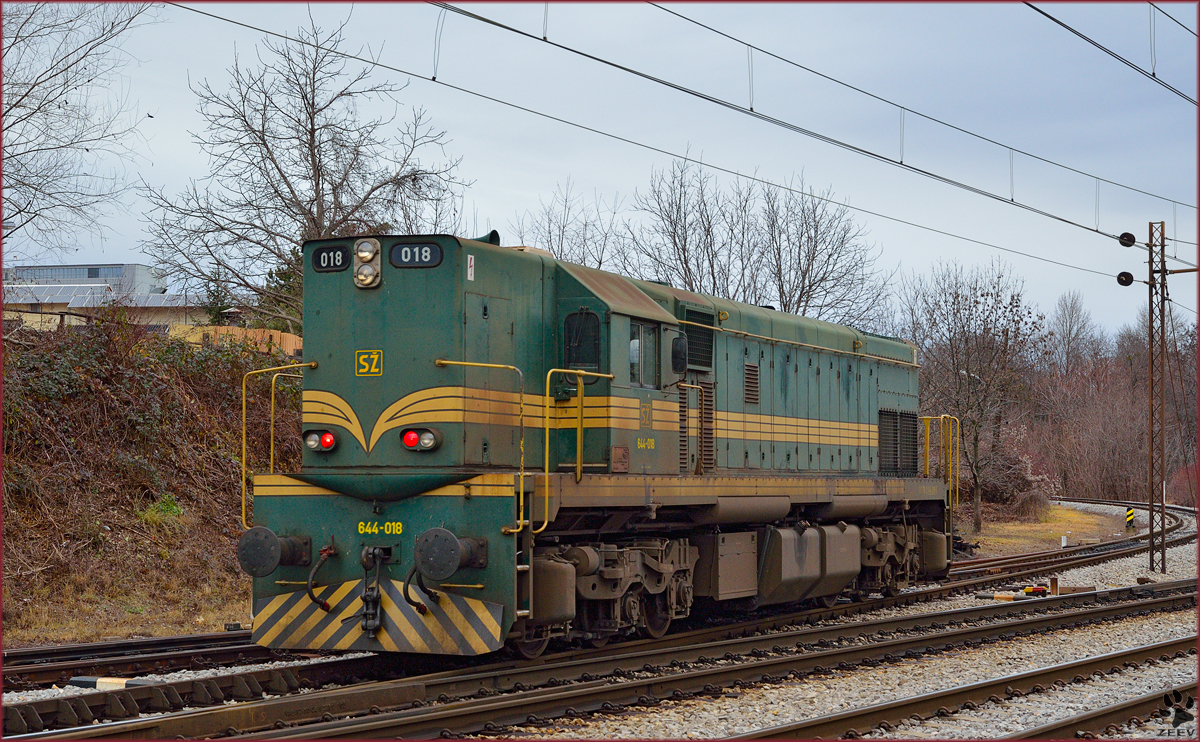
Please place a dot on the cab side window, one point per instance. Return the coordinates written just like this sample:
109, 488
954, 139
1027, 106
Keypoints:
582, 335
643, 355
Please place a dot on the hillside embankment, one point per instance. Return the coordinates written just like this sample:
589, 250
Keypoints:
122, 494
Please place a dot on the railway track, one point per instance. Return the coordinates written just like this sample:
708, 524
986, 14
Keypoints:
854, 723
40, 666
132, 701
629, 674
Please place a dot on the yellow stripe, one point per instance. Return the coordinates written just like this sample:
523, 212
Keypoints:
490, 407
386, 640
401, 621
335, 623
347, 640
464, 627
486, 617
319, 406
287, 618
319, 615
269, 609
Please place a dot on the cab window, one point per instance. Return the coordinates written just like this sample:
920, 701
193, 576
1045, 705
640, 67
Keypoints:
582, 335
643, 355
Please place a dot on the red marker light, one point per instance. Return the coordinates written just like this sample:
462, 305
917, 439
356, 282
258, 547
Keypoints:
411, 439
327, 441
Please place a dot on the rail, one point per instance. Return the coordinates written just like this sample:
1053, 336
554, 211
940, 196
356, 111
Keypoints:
246, 378
521, 522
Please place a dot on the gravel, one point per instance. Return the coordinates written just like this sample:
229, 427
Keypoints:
773, 704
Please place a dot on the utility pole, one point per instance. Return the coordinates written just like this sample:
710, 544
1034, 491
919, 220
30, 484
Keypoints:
1157, 470
1156, 495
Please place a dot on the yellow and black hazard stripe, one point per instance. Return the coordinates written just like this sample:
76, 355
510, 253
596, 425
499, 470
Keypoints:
454, 624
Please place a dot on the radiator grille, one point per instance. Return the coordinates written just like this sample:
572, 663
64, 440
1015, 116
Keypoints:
897, 444
751, 385
700, 339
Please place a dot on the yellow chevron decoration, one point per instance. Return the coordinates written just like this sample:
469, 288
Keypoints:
454, 624
456, 404
327, 408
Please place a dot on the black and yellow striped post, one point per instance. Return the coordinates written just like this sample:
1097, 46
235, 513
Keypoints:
1129, 519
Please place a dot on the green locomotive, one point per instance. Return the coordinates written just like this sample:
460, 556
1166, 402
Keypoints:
504, 447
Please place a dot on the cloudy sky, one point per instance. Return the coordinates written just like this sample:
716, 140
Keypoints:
1001, 71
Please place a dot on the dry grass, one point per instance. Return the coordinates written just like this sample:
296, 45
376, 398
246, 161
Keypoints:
1005, 537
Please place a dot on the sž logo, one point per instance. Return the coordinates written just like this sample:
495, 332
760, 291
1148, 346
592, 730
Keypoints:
1174, 701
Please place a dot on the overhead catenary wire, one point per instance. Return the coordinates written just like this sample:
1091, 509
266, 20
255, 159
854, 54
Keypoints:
1160, 10
648, 147
790, 126
925, 116
1114, 55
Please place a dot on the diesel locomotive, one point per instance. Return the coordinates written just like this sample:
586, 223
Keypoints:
502, 447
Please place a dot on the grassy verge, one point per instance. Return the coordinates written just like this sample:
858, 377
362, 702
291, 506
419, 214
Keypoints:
1001, 537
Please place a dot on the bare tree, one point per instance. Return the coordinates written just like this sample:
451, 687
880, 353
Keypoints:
791, 248
1076, 341
695, 235
979, 341
291, 160
63, 124
569, 229
815, 260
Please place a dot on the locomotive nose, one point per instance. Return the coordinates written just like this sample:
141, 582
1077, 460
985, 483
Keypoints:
439, 553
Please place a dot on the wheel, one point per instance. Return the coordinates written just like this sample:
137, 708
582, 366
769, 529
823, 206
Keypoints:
531, 648
657, 615
827, 601
599, 641
887, 575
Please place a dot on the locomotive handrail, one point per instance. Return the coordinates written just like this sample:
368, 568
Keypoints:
951, 430
274, 378
521, 522
821, 348
578, 432
245, 378
700, 420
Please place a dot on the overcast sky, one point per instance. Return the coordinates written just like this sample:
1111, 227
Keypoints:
998, 70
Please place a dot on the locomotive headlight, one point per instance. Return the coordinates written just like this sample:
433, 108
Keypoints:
365, 274
420, 439
365, 250
320, 441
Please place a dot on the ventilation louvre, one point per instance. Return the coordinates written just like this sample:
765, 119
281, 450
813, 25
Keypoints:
683, 430
897, 444
751, 385
708, 443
